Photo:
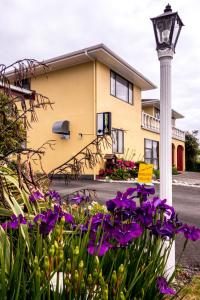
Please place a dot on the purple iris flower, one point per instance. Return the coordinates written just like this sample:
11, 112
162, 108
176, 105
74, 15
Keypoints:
98, 221
163, 287
83, 228
41, 217
78, 199
68, 217
174, 218
120, 204
144, 215
162, 206
14, 223
129, 192
122, 201
124, 233
98, 249
36, 196
144, 191
190, 232
148, 209
165, 230
49, 218
53, 195
123, 205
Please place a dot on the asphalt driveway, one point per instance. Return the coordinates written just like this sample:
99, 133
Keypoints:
186, 201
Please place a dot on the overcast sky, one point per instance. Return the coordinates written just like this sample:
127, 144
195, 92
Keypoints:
47, 28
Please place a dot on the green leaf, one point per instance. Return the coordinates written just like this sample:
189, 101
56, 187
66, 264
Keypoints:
5, 254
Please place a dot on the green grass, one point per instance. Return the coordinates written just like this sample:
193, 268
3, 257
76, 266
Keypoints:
192, 290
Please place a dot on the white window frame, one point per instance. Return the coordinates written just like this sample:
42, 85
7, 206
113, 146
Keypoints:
117, 141
127, 84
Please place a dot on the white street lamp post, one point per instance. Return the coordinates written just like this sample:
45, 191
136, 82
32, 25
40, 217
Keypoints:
167, 28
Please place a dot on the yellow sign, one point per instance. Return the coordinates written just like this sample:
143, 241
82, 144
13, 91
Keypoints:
145, 173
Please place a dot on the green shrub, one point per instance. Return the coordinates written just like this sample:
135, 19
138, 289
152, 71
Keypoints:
157, 173
174, 170
197, 166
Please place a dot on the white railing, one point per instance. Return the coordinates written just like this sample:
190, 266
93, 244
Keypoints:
153, 124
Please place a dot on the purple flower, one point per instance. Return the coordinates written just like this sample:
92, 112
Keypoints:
99, 220
122, 201
144, 191
124, 233
41, 217
36, 196
156, 207
68, 217
53, 195
161, 205
190, 232
98, 249
144, 214
78, 199
129, 192
163, 287
167, 229
49, 218
14, 223
122, 206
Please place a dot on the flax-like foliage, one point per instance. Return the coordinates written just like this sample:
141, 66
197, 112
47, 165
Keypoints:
81, 250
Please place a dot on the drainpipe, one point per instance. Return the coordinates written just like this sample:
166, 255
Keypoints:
95, 98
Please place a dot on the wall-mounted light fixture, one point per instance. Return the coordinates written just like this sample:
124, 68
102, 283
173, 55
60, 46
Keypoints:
104, 123
62, 128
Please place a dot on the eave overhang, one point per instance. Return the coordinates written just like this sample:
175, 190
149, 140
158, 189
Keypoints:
156, 103
99, 53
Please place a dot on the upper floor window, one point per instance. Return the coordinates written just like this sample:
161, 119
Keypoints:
121, 88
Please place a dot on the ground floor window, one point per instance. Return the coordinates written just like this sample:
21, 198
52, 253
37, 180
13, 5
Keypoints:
117, 141
151, 152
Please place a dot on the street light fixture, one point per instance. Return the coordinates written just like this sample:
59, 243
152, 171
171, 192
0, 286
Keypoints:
167, 27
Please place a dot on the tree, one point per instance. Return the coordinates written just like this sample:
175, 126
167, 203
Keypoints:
17, 111
191, 150
12, 131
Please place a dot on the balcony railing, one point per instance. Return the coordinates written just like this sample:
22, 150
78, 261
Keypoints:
153, 124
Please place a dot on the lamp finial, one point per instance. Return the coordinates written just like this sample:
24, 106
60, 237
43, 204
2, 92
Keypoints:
168, 8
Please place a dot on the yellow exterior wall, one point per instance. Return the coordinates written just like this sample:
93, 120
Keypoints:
72, 91
176, 144
79, 92
146, 134
149, 110
124, 116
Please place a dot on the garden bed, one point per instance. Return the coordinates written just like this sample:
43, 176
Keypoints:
117, 251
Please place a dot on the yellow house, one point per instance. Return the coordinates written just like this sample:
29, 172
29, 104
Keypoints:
85, 83
151, 123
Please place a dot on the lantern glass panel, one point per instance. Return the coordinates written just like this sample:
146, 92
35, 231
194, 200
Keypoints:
176, 31
163, 27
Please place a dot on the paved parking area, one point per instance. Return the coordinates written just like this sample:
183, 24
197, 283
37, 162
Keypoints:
191, 178
186, 201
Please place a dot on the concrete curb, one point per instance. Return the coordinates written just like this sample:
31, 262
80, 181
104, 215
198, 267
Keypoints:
179, 183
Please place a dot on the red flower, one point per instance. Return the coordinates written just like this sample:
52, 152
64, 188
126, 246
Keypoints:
101, 172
